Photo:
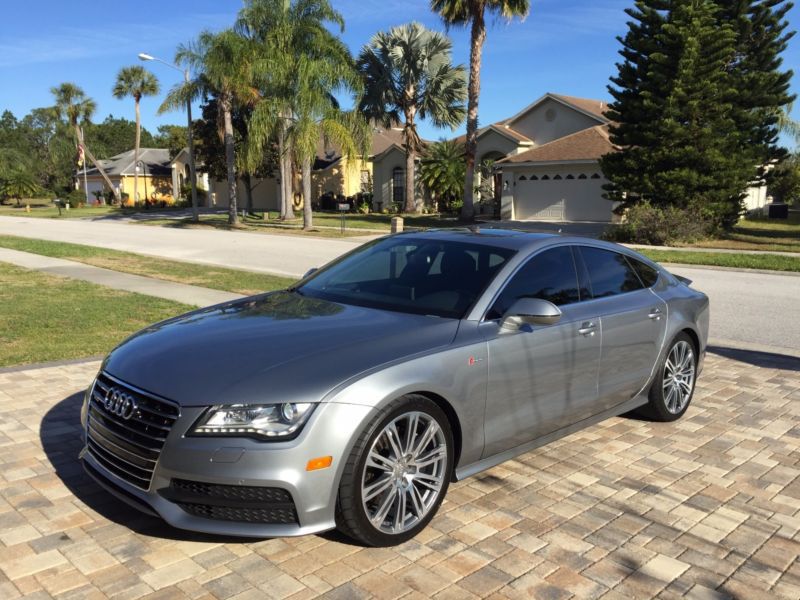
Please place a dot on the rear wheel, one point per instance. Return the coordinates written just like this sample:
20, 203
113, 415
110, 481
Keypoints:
397, 474
673, 387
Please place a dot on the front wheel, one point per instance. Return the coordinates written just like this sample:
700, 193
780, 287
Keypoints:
398, 473
673, 387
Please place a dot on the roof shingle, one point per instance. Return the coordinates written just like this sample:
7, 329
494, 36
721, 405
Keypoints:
587, 144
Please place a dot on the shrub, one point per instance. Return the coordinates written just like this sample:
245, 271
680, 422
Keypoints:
653, 225
75, 198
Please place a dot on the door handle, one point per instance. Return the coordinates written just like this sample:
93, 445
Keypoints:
587, 329
655, 314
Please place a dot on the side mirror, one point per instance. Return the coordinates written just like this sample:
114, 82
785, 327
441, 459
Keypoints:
310, 272
533, 311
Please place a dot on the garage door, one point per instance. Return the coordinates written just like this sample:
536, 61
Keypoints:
561, 200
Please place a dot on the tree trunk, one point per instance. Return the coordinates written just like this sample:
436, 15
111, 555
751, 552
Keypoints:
100, 169
288, 182
307, 213
411, 204
136, 154
230, 164
283, 175
478, 36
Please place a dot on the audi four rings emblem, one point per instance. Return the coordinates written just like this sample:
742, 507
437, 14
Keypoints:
119, 403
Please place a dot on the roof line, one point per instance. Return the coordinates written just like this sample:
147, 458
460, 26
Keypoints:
560, 100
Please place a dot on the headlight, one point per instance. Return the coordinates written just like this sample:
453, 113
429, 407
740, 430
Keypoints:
267, 421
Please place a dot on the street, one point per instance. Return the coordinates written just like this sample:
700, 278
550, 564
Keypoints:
750, 310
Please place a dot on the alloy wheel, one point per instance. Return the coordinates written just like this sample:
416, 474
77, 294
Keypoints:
679, 372
404, 472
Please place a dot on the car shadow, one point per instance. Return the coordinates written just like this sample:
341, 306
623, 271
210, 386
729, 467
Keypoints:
61, 438
767, 360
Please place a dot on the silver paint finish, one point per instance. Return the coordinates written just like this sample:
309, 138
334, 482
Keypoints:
505, 391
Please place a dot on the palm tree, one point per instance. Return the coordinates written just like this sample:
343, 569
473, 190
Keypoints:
18, 185
473, 12
408, 74
222, 63
300, 65
135, 81
441, 171
74, 108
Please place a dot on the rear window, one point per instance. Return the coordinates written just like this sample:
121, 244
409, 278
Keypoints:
646, 273
609, 272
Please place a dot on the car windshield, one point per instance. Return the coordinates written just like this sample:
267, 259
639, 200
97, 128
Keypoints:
423, 276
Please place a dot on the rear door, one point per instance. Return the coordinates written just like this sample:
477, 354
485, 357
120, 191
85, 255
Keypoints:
633, 320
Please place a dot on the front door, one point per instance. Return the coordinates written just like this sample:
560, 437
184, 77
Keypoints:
541, 378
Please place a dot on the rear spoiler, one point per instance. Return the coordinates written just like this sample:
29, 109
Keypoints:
683, 280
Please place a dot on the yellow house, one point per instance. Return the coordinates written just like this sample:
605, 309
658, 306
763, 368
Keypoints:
154, 170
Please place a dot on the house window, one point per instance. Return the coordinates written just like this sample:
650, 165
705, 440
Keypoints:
570, 176
558, 177
582, 176
534, 178
596, 176
523, 178
398, 184
545, 177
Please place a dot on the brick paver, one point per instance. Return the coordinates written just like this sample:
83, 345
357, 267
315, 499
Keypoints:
708, 507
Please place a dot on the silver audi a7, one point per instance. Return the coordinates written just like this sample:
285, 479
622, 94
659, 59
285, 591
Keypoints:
354, 398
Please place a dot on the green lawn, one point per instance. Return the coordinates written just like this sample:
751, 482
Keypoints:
230, 280
776, 235
48, 211
772, 262
325, 224
44, 317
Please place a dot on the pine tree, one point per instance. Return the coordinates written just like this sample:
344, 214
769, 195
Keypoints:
762, 87
695, 102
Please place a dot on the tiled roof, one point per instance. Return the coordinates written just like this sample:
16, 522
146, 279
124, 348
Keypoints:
595, 107
587, 144
502, 128
157, 161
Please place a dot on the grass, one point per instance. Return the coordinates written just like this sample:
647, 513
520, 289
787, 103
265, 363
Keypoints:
229, 280
325, 224
44, 317
775, 235
771, 262
44, 209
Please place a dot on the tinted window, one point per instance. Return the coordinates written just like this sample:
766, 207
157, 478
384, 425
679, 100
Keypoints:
424, 276
549, 275
646, 273
609, 272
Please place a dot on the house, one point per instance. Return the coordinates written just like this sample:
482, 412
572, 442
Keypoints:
546, 161
334, 175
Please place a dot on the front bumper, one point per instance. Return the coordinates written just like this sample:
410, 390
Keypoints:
242, 463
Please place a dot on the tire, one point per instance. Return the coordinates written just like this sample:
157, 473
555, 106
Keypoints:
673, 386
384, 501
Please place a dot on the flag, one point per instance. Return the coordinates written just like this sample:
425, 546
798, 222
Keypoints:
80, 156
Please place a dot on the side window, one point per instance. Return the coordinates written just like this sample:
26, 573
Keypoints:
609, 272
549, 275
646, 273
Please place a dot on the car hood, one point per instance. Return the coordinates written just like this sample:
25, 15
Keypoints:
269, 348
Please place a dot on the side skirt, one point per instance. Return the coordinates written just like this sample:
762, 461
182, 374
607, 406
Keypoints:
491, 461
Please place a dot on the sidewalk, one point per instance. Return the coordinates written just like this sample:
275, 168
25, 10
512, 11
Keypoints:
178, 292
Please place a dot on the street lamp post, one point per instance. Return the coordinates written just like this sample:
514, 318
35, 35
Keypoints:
192, 170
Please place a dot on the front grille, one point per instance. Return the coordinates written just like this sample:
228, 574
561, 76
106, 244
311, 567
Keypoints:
128, 447
243, 503
266, 516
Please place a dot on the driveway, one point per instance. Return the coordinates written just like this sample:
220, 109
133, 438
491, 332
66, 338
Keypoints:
708, 506
748, 309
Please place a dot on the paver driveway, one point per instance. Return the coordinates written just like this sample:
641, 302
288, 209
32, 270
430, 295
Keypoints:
626, 508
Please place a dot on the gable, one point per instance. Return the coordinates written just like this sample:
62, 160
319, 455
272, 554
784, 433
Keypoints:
550, 119
493, 142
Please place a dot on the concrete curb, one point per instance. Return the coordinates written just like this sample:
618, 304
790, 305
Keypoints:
732, 269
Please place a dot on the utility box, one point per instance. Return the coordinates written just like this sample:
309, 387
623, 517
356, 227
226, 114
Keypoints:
397, 224
778, 211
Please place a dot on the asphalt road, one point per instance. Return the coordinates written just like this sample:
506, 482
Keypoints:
749, 310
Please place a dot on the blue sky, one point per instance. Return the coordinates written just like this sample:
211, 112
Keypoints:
564, 46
